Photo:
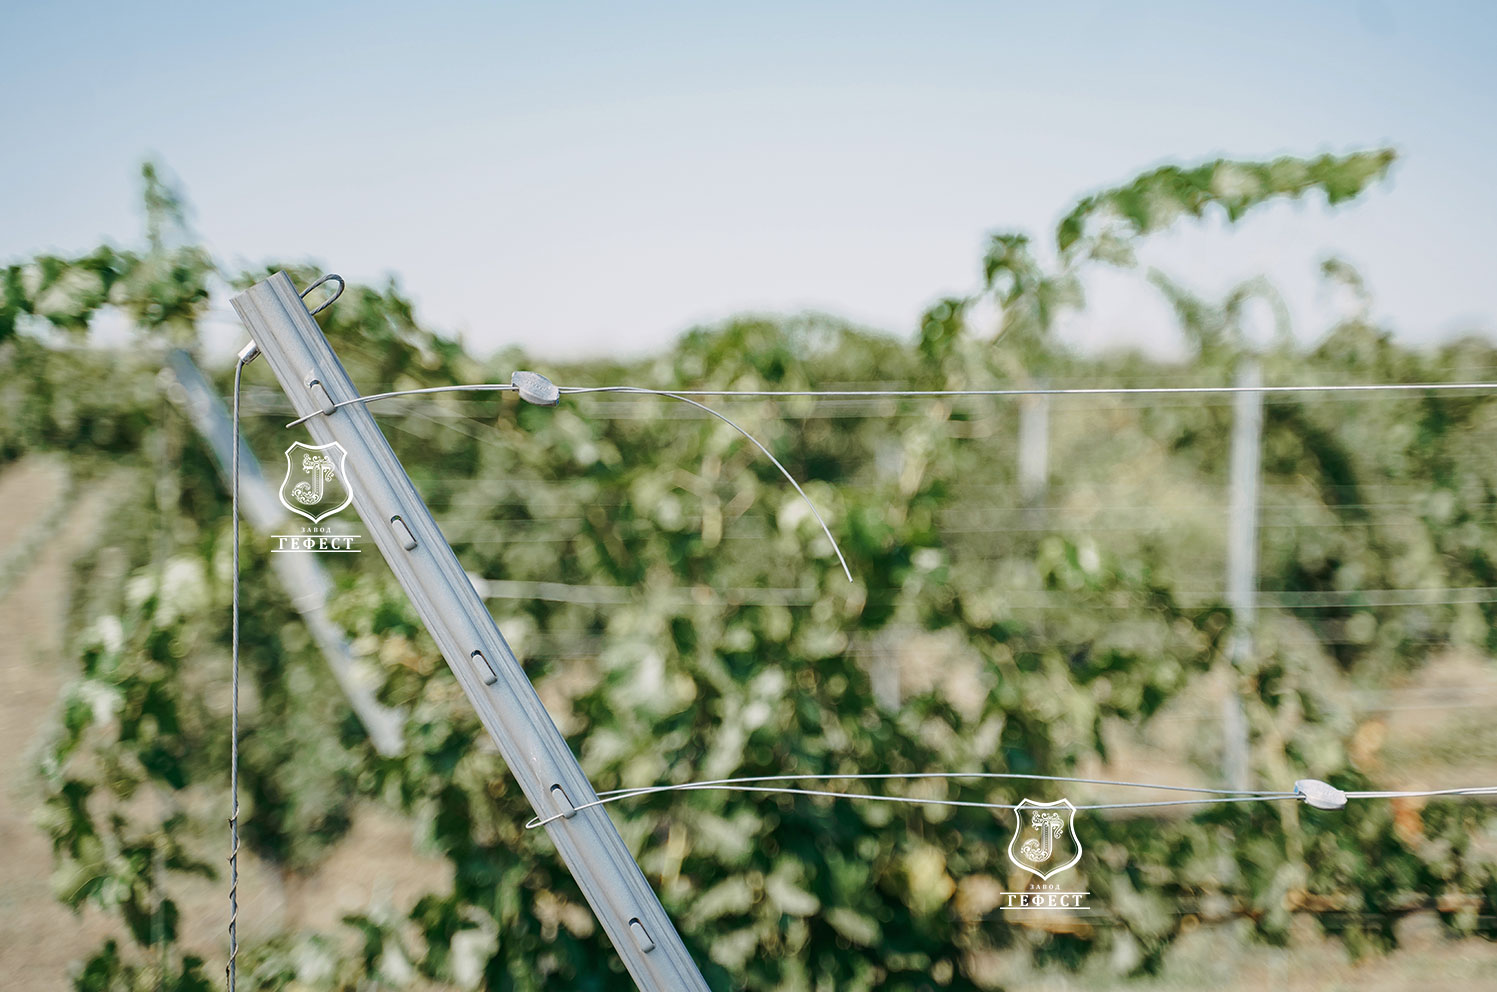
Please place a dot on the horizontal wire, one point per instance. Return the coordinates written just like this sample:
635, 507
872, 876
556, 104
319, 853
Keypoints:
1479, 790
1046, 390
832, 408
465, 483
482, 387
746, 785
1266, 598
1156, 376
534, 510
937, 393
905, 776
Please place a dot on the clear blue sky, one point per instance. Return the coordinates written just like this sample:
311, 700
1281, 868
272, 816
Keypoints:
597, 177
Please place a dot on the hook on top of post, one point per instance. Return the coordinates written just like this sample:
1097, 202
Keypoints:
330, 277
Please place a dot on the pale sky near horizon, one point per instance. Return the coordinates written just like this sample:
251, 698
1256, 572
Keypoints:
594, 179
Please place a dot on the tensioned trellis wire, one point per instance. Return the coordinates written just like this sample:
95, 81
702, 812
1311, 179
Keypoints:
1305, 789
501, 387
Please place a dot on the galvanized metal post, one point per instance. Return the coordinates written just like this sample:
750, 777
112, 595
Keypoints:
1034, 448
884, 672
1034, 457
405, 533
299, 574
1242, 565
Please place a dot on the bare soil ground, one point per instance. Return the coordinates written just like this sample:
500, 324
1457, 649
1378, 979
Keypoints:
39, 938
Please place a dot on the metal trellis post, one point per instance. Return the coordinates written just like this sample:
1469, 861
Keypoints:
405, 533
1034, 448
1242, 565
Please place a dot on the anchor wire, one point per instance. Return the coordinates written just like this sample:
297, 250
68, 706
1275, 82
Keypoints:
231, 970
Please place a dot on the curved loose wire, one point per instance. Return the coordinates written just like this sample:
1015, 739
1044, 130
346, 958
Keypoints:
502, 387
573, 390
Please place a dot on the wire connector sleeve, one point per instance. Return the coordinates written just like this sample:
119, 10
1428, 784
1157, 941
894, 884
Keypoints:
535, 388
1321, 795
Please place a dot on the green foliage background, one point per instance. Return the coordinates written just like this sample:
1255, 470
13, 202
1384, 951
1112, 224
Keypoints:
741, 649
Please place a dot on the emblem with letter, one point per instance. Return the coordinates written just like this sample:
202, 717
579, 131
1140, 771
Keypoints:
316, 483
1045, 844
316, 487
1045, 841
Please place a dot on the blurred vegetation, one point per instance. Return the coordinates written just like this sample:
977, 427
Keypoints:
741, 649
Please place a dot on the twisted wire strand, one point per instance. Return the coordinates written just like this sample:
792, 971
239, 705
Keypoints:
231, 970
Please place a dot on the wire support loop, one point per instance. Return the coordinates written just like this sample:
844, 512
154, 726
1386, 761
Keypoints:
330, 277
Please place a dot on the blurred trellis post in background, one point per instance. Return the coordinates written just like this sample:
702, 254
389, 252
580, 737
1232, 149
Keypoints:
300, 575
1242, 564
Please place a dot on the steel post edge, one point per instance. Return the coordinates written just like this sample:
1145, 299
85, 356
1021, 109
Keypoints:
403, 529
